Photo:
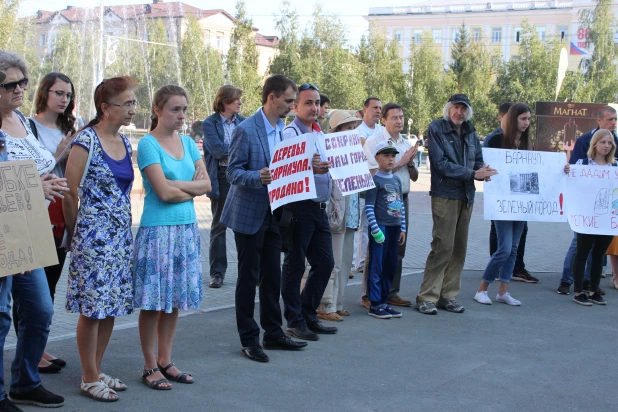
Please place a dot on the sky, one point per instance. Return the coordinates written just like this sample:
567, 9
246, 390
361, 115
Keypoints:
262, 11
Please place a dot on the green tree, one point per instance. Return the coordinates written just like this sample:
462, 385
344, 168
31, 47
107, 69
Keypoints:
8, 18
430, 84
601, 77
532, 76
287, 61
242, 61
473, 71
201, 70
382, 64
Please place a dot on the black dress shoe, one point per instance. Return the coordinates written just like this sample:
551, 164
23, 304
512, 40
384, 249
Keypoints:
51, 368
216, 282
284, 343
60, 362
303, 333
255, 353
317, 327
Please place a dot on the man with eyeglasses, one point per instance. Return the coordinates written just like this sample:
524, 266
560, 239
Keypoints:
405, 169
308, 237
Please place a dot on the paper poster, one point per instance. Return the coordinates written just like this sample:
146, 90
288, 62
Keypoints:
529, 186
26, 240
349, 169
592, 193
290, 168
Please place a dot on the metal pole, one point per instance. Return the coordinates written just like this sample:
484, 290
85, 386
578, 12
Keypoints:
100, 68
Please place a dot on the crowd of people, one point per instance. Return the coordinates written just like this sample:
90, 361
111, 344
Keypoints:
87, 177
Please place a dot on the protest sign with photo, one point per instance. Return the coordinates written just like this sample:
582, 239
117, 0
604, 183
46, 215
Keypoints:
290, 168
349, 168
529, 186
26, 240
592, 194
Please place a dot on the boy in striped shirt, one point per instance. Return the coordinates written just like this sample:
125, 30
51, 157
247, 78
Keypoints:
387, 225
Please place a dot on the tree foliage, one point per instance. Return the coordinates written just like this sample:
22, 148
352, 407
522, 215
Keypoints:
242, 61
8, 20
601, 78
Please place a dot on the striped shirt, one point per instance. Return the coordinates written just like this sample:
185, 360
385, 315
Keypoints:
384, 203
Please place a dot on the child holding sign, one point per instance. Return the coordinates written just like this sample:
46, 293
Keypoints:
387, 225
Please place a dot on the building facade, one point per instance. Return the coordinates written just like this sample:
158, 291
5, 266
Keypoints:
131, 21
496, 23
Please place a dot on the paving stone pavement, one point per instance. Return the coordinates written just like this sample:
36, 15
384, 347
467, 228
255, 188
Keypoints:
546, 246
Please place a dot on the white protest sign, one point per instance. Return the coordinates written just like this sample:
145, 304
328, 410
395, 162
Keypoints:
349, 168
592, 199
26, 240
290, 168
529, 185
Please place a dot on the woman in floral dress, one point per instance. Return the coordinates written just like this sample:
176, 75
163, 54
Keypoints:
100, 274
167, 264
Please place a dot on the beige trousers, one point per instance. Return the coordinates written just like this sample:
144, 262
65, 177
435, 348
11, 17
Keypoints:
442, 279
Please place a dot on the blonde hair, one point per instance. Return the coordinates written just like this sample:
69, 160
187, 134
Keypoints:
598, 135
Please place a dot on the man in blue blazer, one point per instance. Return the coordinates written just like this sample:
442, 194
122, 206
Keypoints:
218, 129
256, 229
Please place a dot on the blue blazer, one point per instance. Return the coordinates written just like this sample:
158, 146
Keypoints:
215, 148
247, 202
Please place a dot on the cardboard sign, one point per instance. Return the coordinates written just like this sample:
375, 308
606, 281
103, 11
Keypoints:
592, 194
292, 175
26, 240
529, 186
349, 169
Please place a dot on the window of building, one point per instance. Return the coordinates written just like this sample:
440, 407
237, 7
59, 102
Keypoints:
496, 34
476, 34
207, 36
540, 31
455, 36
437, 36
399, 35
42, 40
220, 40
418, 36
563, 33
517, 35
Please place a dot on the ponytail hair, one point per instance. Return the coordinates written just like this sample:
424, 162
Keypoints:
160, 99
106, 91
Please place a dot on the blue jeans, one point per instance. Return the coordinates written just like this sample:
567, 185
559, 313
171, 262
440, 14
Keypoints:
567, 268
502, 261
382, 264
419, 158
35, 309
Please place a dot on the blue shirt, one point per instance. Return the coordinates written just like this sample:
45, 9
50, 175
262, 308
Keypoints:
156, 211
384, 203
228, 129
273, 134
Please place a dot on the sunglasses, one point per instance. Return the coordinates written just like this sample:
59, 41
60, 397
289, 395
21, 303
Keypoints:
307, 86
9, 87
60, 94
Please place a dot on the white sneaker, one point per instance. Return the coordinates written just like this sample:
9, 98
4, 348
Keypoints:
508, 299
481, 297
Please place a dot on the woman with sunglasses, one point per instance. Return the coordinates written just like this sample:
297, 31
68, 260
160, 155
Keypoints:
53, 126
98, 220
30, 291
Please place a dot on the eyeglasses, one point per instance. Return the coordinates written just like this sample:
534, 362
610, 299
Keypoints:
127, 105
307, 86
60, 94
9, 87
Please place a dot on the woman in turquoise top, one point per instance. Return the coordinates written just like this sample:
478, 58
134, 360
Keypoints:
167, 271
